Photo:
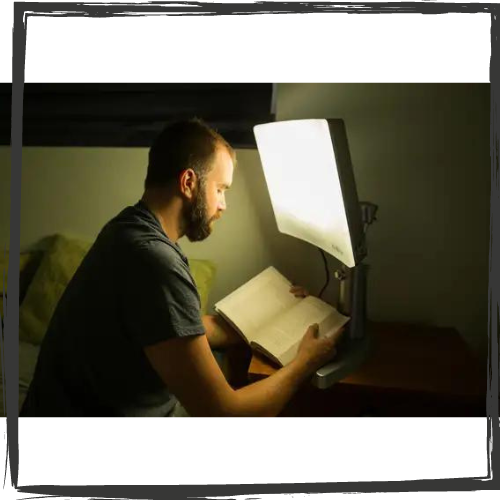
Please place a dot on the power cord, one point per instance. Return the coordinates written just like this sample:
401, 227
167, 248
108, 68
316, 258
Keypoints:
327, 271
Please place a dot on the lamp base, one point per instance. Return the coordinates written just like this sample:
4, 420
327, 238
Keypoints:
350, 355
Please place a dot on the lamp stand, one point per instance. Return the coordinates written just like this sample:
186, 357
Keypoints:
354, 346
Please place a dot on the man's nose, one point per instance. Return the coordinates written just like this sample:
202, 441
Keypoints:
222, 205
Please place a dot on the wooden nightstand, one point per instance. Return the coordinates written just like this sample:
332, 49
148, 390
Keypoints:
411, 370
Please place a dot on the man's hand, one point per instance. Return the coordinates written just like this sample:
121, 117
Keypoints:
299, 291
315, 351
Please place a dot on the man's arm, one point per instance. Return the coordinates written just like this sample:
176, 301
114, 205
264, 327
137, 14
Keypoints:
219, 333
188, 368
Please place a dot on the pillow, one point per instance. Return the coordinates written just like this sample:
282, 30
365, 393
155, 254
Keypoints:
28, 355
56, 269
58, 265
24, 259
203, 272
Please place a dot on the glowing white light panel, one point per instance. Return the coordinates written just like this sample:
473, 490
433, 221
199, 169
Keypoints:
300, 168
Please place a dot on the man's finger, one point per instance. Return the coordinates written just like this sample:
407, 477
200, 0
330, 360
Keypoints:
299, 291
315, 330
335, 335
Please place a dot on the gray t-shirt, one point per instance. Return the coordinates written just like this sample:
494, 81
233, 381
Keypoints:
133, 289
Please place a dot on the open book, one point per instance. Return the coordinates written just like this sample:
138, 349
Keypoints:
272, 320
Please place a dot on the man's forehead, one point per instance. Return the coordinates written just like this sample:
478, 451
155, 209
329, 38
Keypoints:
222, 168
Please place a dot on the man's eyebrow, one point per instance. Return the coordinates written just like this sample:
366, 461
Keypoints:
225, 186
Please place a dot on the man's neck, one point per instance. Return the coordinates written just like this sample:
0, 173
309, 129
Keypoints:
168, 212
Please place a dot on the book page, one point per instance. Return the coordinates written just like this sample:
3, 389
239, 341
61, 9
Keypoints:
258, 302
282, 336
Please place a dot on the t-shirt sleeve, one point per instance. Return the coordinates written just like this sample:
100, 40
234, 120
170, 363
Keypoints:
159, 298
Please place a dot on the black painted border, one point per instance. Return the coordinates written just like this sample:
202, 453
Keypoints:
11, 339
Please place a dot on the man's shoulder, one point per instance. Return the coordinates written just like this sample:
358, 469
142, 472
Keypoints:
155, 254
158, 250
133, 221
135, 238
133, 229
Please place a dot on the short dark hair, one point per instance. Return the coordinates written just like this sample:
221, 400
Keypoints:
182, 145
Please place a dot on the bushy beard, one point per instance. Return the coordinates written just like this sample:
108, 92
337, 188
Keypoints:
197, 223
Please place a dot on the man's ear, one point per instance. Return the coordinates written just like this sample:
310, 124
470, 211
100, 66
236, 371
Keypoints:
188, 183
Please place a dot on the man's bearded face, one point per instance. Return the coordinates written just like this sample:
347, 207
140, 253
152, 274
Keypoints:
198, 223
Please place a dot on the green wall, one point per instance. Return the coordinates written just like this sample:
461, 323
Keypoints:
77, 190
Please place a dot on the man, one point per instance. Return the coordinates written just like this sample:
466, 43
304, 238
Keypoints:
127, 337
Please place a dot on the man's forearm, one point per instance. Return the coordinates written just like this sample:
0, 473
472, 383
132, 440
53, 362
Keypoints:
219, 333
268, 397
